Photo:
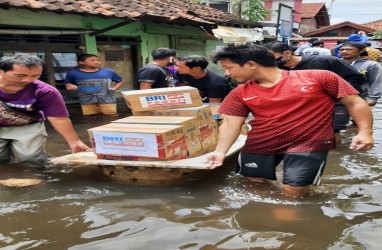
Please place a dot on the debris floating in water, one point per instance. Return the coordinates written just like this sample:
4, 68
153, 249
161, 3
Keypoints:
14, 182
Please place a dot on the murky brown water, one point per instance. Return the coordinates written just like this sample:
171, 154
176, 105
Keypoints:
82, 209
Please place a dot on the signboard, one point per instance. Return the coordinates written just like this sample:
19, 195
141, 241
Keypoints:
284, 22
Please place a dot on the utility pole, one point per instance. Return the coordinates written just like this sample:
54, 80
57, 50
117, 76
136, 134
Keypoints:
331, 8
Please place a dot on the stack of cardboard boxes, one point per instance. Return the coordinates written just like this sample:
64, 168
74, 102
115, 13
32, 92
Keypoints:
167, 124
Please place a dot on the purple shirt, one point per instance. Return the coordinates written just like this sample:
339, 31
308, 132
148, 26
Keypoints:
37, 98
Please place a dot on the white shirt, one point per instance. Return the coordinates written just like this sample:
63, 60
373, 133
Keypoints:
316, 51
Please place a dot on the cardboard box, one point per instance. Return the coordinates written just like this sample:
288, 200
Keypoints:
189, 124
214, 110
209, 136
154, 141
202, 113
142, 141
160, 98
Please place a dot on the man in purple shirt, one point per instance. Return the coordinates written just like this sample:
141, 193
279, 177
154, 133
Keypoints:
25, 103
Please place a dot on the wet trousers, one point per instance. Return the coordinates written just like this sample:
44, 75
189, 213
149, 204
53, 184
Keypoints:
25, 143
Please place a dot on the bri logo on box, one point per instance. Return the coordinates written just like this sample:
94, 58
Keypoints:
109, 138
155, 98
120, 141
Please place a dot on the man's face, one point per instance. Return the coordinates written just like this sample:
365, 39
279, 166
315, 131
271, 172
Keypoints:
237, 72
92, 62
21, 75
349, 52
282, 58
182, 68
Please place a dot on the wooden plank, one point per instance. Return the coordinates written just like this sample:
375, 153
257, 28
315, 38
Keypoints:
88, 158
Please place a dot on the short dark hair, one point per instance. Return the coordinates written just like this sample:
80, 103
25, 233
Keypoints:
240, 54
194, 61
294, 42
357, 45
313, 39
341, 41
83, 57
277, 47
7, 62
317, 43
162, 53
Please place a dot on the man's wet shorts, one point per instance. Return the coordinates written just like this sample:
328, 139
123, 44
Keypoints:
341, 117
299, 169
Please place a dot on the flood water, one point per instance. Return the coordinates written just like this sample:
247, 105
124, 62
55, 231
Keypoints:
212, 209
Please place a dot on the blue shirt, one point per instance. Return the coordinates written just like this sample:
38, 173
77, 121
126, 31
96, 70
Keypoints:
93, 87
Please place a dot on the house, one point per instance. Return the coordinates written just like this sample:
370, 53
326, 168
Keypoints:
314, 16
273, 7
331, 34
122, 33
376, 25
283, 19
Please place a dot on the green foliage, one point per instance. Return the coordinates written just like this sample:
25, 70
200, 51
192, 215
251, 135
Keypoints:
252, 10
377, 34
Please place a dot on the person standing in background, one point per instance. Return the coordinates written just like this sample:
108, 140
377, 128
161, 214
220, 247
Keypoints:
25, 103
155, 74
372, 87
317, 49
192, 71
301, 48
94, 85
372, 54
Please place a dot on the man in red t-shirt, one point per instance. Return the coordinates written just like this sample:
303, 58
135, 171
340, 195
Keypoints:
292, 117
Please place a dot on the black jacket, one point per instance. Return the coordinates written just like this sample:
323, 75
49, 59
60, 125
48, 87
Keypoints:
334, 64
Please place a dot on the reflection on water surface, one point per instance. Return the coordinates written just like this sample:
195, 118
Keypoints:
82, 209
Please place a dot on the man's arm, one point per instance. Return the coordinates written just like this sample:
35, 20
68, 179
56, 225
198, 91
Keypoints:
228, 133
146, 85
117, 85
64, 126
363, 118
375, 84
69, 79
70, 86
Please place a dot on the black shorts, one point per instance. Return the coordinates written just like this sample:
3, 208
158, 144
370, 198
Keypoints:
341, 117
300, 169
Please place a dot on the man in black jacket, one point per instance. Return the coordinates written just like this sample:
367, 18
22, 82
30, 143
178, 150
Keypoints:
287, 61
155, 74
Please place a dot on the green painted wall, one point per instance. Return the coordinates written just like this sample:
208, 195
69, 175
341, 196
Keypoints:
187, 39
210, 49
25, 17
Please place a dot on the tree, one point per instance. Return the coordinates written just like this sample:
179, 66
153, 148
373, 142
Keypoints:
252, 10
377, 34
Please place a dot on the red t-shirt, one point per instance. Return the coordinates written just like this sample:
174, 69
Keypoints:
295, 115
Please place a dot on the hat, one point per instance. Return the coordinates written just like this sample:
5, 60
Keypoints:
356, 38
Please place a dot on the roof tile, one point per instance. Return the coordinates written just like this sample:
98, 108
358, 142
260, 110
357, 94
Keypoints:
376, 25
178, 11
311, 9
